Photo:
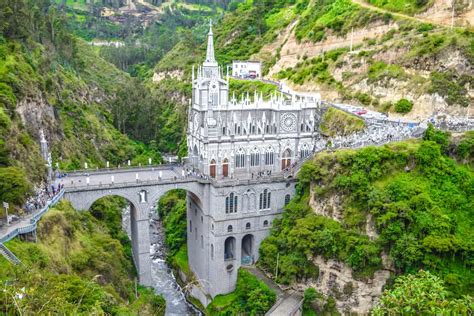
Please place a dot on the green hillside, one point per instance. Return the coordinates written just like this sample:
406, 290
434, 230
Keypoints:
80, 266
419, 197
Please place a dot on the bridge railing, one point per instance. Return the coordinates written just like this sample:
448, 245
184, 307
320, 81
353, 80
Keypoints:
121, 169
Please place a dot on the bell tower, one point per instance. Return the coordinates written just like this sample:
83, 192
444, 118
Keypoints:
210, 95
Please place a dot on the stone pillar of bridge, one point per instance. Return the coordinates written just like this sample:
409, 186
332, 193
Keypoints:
140, 235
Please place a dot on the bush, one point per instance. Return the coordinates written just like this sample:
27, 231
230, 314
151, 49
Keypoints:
421, 294
403, 106
251, 297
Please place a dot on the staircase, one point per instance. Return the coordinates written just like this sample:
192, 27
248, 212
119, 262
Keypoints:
5, 252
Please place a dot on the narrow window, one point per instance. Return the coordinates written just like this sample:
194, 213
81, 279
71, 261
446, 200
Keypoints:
287, 199
248, 226
265, 223
229, 229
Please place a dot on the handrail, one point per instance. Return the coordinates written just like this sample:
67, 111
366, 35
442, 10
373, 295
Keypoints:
10, 256
33, 221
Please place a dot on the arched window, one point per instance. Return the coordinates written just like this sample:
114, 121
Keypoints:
265, 197
212, 168
304, 151
265, 223
225, 167
248, 226
240, 159
230, 229
269, 156
255, 158
287, 199
231, 203
286, 159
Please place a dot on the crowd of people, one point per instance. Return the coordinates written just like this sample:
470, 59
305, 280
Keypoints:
454, 124
39, 199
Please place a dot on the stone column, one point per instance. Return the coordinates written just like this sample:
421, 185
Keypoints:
140, 225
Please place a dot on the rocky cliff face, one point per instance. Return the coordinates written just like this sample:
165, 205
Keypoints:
336, 279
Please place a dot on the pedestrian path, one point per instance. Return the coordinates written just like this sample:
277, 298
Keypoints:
287, 303
28, 223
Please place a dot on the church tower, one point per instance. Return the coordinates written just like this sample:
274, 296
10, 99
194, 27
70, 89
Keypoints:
210, 94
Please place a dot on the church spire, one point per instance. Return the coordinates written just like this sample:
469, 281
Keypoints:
210, 57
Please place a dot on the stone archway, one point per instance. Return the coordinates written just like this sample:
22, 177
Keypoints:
229, 249
247, 255
138, 232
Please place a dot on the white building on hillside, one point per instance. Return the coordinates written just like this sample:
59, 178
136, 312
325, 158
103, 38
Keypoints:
247, 69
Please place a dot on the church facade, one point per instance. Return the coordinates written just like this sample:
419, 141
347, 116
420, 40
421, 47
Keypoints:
243, 145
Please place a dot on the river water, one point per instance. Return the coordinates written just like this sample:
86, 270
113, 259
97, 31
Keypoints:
164, 282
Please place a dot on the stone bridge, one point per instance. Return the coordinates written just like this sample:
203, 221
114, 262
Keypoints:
142, 188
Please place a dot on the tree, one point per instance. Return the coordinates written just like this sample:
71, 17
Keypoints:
422, 294
14, 186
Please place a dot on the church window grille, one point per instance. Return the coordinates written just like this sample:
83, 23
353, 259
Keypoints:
240, 159
231, 203
269, 157
304, 151
254, 159
265, 198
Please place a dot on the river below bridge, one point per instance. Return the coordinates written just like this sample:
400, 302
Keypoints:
164, 281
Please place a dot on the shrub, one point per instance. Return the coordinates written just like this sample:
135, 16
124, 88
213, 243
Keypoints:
403, 106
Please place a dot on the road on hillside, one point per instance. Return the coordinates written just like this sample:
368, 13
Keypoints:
364, 4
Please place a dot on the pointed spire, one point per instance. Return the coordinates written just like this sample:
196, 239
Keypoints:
210, 57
